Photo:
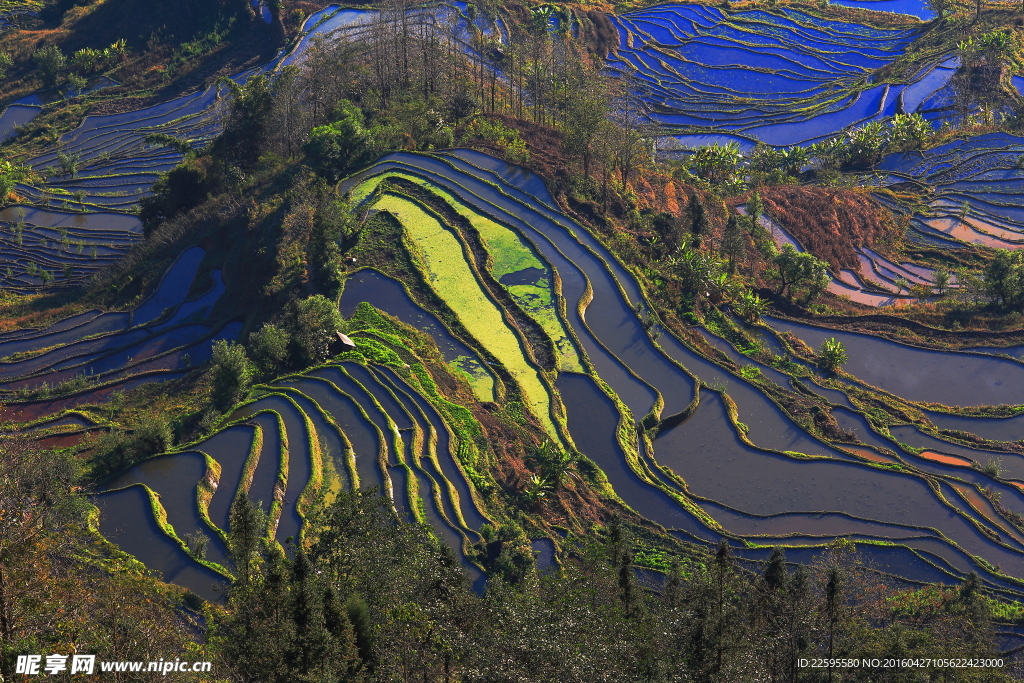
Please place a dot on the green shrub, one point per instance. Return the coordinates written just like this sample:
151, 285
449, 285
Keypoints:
269, 348
798, 272
50, 61
10, 175
231, 374
317, 320
177, 190
832, 355
118, 450
333, 222
87, 59
152, 436
508, 139
339, 146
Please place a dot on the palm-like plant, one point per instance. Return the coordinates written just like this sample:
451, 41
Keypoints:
865, 144
722, 287
829, 154
716, 163
750, 306
941, 280
119, 47
765, 159
10, 175
698, 271
69, 163
832, 355
537, 489
908, 131
556, 464
794, 159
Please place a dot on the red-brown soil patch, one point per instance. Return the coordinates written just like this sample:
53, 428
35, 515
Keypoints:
829, 222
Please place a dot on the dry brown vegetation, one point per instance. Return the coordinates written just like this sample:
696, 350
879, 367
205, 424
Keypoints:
830, 222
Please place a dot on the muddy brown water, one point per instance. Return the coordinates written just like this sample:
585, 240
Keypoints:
1012, 463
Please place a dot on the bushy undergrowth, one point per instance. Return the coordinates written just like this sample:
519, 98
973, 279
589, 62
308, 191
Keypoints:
378, 600
119, 449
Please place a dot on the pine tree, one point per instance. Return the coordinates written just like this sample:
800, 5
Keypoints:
352, 659
723, 570
775, 574
627, 584
734, 243
674, 585
324, 650
797, 619
699, 224
246, 525
313, 640
832, 607
358, 614
770, 613
763, 240
258, 636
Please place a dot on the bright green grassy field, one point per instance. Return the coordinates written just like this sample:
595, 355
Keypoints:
451, 278
510, 254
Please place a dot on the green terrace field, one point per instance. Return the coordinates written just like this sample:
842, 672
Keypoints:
684, 341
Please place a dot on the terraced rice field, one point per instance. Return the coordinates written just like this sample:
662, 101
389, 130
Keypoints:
922, 509
93, 354
976, 194
874, 283
535, 310
451, 278
782, 77
69, 227
367, 421
77, 225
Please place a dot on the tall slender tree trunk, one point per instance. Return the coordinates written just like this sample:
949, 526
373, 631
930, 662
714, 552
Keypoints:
6, 628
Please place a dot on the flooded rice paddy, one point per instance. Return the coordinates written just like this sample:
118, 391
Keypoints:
757, 474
